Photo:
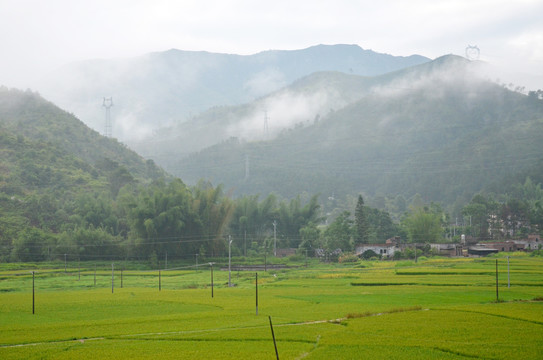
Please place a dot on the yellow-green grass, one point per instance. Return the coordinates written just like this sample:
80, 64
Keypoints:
436, 309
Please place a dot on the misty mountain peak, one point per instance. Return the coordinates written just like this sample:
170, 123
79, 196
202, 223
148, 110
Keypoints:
170, 87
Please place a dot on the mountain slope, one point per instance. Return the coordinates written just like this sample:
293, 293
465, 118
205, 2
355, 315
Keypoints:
68, 192
436, 129
163, 88
58, 181
306, 100
29, 117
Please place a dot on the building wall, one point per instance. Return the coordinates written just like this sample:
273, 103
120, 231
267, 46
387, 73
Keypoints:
384, 250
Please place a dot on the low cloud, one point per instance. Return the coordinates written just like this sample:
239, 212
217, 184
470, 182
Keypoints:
281, 111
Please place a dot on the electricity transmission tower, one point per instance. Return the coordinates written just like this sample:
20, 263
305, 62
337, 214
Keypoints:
266, 118
472, 53
108, 103
246, 167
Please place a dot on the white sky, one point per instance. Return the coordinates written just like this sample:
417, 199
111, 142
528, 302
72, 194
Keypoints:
37, 36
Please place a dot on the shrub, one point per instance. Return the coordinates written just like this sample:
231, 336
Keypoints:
368, 254
297, 257
348, 258
537, 252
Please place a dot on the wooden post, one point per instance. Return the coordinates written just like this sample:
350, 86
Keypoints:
112, 277
273, 336
159, 281
95, 275
211, 279
508, 276
32, 292
497, 294
256, 287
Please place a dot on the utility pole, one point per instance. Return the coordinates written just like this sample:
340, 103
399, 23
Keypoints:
246, 167
229, 259
211, 264
508, 277
497, 291
266, 131
274, 237
33, 293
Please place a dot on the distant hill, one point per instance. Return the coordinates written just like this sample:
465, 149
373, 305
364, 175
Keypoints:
305, 101
164, 88
438, 129
35, 121
68, 192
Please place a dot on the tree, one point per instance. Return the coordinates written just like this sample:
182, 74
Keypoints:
310, 235
252, 219
381, 226
215, 211
293, 217
423, 226
31, 245
161, 213
478, 212
361, 221
514, 215
340, 233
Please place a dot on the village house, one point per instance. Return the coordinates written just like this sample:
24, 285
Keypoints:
447, 249
384, 250
501, 245
532, 242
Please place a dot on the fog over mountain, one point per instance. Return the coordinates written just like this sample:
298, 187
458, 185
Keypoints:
167, 88
441, 129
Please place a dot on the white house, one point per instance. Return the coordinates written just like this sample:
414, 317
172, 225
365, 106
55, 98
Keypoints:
385, 250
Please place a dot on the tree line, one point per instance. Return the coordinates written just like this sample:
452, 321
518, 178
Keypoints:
144, 222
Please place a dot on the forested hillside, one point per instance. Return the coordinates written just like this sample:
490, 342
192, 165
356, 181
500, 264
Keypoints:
67, 191
64, 189
439, 130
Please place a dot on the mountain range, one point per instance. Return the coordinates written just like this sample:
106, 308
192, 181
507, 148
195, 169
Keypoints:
160, 89
441, 129
338, 120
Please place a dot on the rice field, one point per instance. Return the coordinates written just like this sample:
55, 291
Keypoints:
434, 309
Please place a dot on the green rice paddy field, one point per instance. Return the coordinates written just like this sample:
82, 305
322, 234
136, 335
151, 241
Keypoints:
434, 309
